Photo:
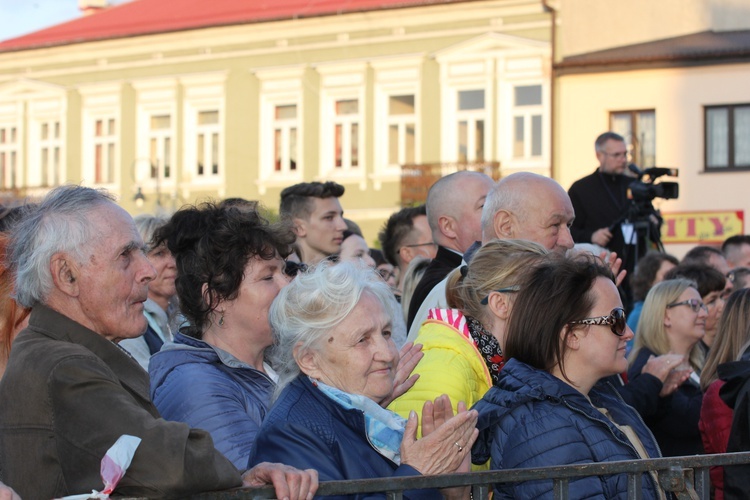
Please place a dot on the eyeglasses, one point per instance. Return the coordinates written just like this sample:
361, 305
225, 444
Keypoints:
620, 154
386, 274
694, 304
616, 320
507, 289
430, 243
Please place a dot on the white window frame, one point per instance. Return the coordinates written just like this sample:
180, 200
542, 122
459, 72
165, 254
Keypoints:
394, 78
204, 93
342, 82
155, 98
50, 113
101, 102
461, 74
11, 151
518, 69
279, 87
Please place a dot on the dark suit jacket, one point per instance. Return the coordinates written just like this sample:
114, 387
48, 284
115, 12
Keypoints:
68, 394
444, 262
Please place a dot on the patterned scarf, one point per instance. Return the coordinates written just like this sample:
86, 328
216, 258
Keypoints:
488, 346
384, 428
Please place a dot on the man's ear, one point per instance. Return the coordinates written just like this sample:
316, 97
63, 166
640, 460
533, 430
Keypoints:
65, 274
447, 225
299, 226
502, 222
307, 362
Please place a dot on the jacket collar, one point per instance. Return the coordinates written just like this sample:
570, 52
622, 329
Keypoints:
57, 326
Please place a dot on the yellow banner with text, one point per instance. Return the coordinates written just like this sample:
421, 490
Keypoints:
702, 227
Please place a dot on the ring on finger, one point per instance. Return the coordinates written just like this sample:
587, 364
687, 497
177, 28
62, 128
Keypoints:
460, 448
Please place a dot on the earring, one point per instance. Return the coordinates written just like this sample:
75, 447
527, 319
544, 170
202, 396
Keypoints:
221, 319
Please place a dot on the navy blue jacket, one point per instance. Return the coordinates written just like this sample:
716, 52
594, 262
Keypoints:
532, 419
207, 388
736, 394
675, 423
308, 430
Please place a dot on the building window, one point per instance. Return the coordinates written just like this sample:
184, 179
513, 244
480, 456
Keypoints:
471, 116
285, 138
638, 128
8, 156
527, 121
401, 130
207, 143
728, 136
49, 152
346, 133
104, 140
160, 146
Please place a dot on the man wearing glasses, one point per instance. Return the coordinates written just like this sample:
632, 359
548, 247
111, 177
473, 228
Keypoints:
600, 199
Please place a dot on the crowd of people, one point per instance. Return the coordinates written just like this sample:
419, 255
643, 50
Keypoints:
245, 352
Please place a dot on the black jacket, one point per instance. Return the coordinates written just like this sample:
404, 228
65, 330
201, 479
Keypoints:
444, 262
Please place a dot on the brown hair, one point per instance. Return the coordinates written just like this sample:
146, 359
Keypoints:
11, 313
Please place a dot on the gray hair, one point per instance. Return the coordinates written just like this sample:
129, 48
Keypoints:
441, 198
59, 224
147, 225
511, 193
312, 305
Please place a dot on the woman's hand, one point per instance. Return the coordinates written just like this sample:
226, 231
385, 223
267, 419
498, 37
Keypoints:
409, 356
288, 482
670, 369
446, 441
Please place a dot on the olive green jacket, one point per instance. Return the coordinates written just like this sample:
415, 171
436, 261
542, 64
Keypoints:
68, 394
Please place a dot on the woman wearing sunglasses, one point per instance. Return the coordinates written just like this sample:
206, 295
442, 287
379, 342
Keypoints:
673, 320
567, 331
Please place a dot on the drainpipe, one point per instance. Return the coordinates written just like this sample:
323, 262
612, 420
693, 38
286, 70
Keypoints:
553, 85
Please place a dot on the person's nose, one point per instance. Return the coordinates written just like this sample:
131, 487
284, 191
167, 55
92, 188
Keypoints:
565, 239
171, 262
385, 350
147, 272
340, 223
628, 334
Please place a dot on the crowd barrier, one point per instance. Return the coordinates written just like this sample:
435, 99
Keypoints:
686, 477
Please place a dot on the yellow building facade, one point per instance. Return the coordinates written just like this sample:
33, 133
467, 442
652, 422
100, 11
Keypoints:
244, 110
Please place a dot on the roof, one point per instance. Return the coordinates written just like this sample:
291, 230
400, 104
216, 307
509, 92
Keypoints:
703, 47
141, 17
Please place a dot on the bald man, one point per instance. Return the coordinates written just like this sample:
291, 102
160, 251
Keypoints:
454, 213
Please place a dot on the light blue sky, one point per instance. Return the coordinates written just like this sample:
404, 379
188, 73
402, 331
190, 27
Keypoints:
19, 17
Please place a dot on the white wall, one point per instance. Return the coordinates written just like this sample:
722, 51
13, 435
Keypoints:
678, 96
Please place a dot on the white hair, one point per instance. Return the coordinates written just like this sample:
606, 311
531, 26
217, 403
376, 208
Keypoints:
58, 224
313, 304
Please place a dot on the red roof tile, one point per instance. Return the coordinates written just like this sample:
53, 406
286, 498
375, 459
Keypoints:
141, 17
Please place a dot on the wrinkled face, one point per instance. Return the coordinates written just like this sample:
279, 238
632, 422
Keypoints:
470, 202
684, 324
166, 273
114, 277
322, 233
600, 348
548, 219
355, 248
263, 281
614, 157
358, 356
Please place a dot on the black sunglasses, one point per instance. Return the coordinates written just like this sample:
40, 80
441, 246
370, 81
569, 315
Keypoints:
616, 320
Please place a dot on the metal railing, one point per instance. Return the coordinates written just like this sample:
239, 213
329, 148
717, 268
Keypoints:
686, 477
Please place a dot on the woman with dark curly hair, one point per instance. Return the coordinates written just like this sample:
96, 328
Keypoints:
214, 376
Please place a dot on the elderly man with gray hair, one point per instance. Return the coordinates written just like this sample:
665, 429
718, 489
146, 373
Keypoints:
70, 391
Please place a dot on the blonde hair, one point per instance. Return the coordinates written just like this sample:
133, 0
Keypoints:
498, 264
652, 334
733, 334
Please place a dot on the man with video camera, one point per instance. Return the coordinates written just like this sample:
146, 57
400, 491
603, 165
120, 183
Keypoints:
600, 199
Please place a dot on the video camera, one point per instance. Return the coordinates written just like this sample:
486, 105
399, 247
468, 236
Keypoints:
640, 191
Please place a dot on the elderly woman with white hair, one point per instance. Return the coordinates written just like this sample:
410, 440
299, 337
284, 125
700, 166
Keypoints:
336, 363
